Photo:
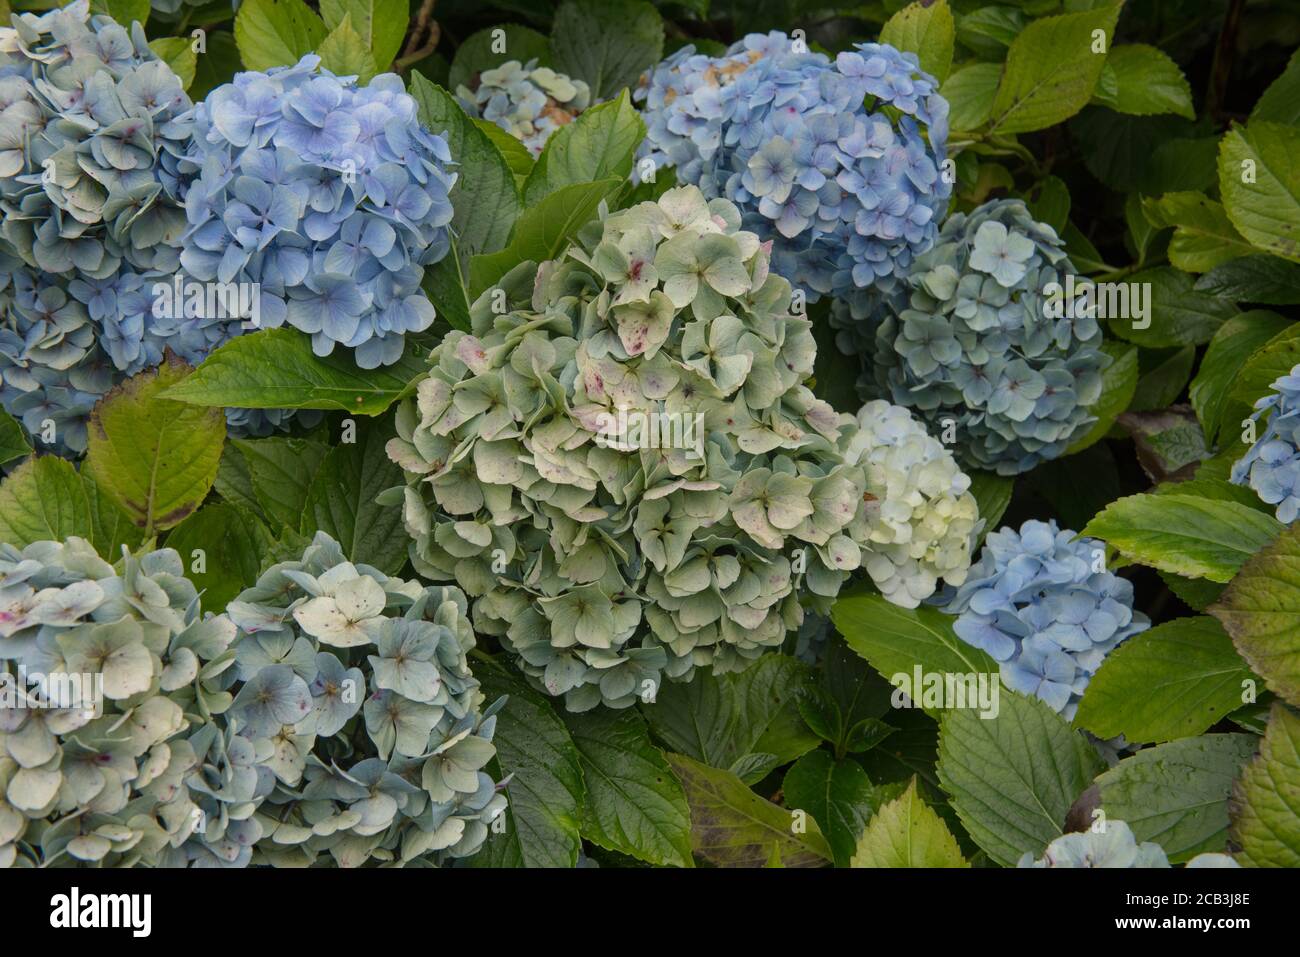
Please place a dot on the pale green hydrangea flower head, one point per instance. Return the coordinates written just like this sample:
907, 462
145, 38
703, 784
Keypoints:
623, 465
94, 770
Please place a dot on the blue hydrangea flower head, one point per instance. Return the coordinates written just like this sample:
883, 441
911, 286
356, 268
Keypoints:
528, 101
1272, 465
983, 338
837, 162
329, 196
1040, 603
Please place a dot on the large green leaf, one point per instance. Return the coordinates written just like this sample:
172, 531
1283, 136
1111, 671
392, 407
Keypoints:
607, 43
731, 826
1176, 794
838, 794
1185, 534
543, 231
280, 472
1265, 802
599, 144
276, 32
1173, 681
907, 833
1261, 611
341, 500
232, 544
926, 29
276, 369
380, 24
1013, 778
970, 91
1144, 80
110, 526
722, 719
1259, 178
1280, 103
13, 440
897, 640
1178, 314
485, 198
1203, 237
546, 786
1256, 278
635, 804
43, 500
154, 456
345, 53
1052, 68
1227, 354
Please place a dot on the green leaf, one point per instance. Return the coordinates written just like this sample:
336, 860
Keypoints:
276, 369
280, 472
988, 31
179, 55
1265, 818
233, 544
445, 284
1173, 681
380, 24
1229, 350
1160, 385
346, 53
43, 500
635, 804
1013, 778
928, 30
731, 826
1052, 68
13, 440
1184, 534
897, 640
218, 64
1050, 202
1256, 278
157, 458
1078, 486
234, 482
721, 719
607, 43
512, 150
475, 54
911, 749
485, 198
542, 232
276, 32
970, 91
1261, 611
546, 788
110, 526
838, 795
1203, 237
341, 500
1143, 81
124, 12
1118, 383
1264, 367
1178, 315
1176, 794
907, 833
599, 144
992, 494
1260, 182
1280, 103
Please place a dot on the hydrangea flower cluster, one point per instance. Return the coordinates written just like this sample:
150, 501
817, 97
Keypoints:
355, 707
838, 162
1272, 465
1041, 604
683, 102
328, 195
974, 341
528, 101
629, 475
1116, 846
92, 140
93, 769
